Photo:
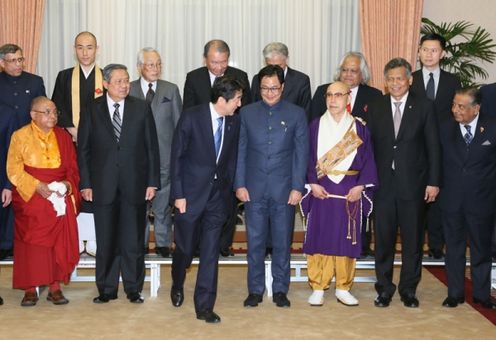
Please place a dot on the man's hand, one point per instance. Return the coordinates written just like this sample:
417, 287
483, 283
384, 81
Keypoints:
6, 197
294, 197
73, 132
87, 195
43, 190
180, 204
355, 193
150, 193
318, 191
242, 194
431, 193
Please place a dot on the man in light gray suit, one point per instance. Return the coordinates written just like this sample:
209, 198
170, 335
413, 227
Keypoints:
166, 104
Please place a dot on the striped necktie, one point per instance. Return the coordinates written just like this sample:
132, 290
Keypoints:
218, 136
468, 136
116, 122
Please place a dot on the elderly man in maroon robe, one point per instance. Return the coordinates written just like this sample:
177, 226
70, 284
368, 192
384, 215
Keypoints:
341, 173
42, 167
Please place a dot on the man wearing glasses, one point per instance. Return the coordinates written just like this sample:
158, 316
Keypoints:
270, 178
165, 102
42, 167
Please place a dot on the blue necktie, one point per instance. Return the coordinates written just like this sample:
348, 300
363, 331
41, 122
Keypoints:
468, 136
218, 136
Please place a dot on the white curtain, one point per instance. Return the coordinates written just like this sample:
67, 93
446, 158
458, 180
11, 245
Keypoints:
317, 33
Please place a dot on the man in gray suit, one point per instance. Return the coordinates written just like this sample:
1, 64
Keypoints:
166, 104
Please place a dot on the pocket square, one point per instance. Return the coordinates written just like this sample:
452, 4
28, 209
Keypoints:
487, 142
165, 100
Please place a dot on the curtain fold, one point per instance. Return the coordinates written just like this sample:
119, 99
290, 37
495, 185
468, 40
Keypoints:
21, 24
389, 29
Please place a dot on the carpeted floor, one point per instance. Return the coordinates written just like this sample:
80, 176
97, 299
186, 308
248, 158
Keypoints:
157, 319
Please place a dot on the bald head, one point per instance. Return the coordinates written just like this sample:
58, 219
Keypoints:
337, 98
44, 113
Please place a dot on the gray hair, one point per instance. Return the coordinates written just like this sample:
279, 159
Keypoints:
140, 60
8, 48
275, 48
107, 70
219, 45
398, 62
364, 67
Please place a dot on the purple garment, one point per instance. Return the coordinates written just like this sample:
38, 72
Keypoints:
327, 220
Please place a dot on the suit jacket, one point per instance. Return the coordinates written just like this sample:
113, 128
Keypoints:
296, 89
166, 109
62, 94
18, 92
488, 105
273, 150
193, 160
365, 95
416, 151
469, 176
198, 90
8, 124
126, 167
448, 84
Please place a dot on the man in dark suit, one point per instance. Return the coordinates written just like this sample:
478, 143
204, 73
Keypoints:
296, 84
75, 89
270, 178
354, 72
468, 197
203, 162
439, 86
198, 90
407, 153
165, 102
119, 166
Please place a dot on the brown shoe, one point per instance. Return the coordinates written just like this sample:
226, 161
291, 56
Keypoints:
57, 298
29, 299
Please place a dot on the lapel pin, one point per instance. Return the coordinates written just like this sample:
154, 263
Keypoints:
481, 129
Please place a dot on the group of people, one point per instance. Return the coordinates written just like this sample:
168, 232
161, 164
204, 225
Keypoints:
115, 152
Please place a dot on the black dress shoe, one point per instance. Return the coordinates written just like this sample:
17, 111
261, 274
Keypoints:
104, 298
436, 253
208, 316
281, 300
163, 251
177, 297
452, 302
226, 252
253, 300
135, 297
488, 304
410, 301
1, 301
382, 300
4, 253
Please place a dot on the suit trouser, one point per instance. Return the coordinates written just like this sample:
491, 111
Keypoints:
203, 226
162, 221
229, 228
434, 226
391, 212
263, 217
120, 229
457, 226
6, 227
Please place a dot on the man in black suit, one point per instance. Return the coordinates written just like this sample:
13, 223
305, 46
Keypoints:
439, 86
198, 90
119, 166
354, 72
407, 153
296, 84
468, 197
203, 163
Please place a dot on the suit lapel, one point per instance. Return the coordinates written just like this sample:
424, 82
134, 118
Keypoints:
358, 105
104, 116
206, 128
388, 117
407, 117
287, 83
228, 135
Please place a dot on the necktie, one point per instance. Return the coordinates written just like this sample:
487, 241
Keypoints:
150, 93
468, 136
429, 90
397, 118
218, 135
116, 122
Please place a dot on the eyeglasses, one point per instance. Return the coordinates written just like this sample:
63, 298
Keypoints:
270, 89
19, 60
47, 112
353, 71
151, 66
337, 95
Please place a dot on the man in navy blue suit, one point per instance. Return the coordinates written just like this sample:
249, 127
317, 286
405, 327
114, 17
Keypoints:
203, 162
270, 178
468, 197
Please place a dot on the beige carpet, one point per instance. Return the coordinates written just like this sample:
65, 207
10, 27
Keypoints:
157, 319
